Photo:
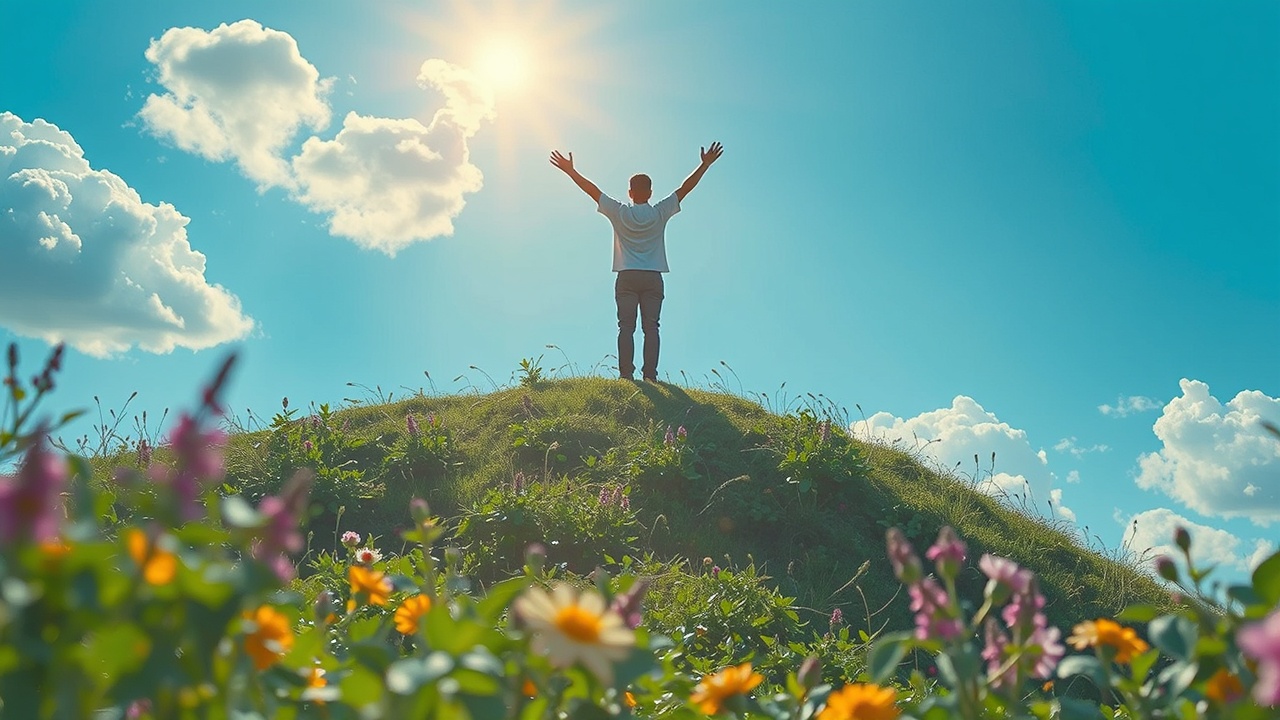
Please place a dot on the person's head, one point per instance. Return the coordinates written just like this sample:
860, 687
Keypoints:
641, 188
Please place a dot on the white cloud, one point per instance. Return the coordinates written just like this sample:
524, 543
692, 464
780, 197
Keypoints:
240, 92
1149, 534
1217, 459
964, 438
1126, 406
1068, 445
84, 260
244, 92
386, 183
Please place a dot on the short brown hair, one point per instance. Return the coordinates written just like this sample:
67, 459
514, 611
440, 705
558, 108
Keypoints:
640, 181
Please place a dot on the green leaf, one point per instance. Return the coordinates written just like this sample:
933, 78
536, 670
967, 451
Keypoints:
1178, 677
1078, 709
1244, 594
238, 513
886, 654
1142, 664
1174, 634
1266, 580
1086, 665
1138, 614
407, 675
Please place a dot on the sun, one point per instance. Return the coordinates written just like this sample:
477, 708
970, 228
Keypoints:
505, 64
535, 56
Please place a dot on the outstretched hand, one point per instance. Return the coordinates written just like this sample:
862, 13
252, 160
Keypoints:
562, 162
710, 155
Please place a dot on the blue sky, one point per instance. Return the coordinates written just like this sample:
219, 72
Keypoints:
1047, 230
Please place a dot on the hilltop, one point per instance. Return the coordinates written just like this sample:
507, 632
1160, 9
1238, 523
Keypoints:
597, 469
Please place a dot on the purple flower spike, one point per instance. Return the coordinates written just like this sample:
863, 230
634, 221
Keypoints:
411, 424
906, 565
669, 438
31, 501
628, 604
681, 433
948, 553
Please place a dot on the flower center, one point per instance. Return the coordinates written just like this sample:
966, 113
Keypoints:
578, 624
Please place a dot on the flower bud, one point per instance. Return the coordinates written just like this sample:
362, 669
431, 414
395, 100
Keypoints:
1182, 538
535, 557
419, 510
1166, 569
810, 673
324, 607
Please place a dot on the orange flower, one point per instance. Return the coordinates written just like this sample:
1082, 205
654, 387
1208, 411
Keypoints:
1109, 634
158, 566
411, 608
628, 699
713, 690
861, 702
529, 689
1224, 687
270, 637
369, 583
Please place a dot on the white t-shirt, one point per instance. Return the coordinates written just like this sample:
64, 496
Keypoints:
638, 239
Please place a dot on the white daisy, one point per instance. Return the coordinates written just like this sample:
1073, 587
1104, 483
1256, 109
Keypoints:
570, 627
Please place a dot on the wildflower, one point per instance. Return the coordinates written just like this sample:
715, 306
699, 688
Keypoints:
411, 609
628, 699
682, 434
31, 501
906, 565
947, 553
528, 689
715, 571
368, 556
307, 445
411, 425
315, 677
1261, 641
993, 651
1182, 538
669, 438
861, 701
158, 566
1104, 633
535, 555
625, 503
934, 616
1046, 648
1224, 687
367, 584
810, 673
714, 690
824, 431
280, 535
200, 461
1005, 576
351, 539
269, 636
570, 627
837, 619
54, 550
144, 453
627, 604
604, 495
517, 484
138, 709
324, 607
1166, 569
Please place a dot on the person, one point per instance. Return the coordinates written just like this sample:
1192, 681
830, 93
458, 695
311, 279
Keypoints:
639, 254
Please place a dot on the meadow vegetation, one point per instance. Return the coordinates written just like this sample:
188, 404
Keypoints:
573, 547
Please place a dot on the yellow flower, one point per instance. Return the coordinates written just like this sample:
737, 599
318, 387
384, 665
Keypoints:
270, 638
861, 702
411, 608
1224, 687
1108, 633
570, 627
713, 690
367, 582
158, 566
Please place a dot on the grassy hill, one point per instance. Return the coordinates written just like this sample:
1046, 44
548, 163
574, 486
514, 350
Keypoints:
586, 467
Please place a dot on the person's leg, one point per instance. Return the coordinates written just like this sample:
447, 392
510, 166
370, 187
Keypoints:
650, 308
625, 294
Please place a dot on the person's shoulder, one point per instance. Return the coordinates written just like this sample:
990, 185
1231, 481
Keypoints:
604, 202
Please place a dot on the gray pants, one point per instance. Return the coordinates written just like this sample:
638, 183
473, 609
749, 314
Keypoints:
638, 289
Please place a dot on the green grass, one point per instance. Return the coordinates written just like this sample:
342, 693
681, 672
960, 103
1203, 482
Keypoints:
810, 544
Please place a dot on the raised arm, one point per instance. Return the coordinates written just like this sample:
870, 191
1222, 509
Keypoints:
708, 155
566, 165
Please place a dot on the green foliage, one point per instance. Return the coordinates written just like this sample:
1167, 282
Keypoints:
420, 458
319, 443
577, 524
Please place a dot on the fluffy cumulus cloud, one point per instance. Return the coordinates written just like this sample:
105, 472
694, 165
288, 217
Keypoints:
1126, 406
84, 260
1217, 459
244, 92
240, 91
1149, 534
1006, 466
384, 182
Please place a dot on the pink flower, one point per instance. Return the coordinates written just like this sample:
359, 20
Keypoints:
947, 553
681, 433
280, 535
1261, 641
31, 501
200, 461
1006, 577
627, 604
993, 651
368, 556
932, 607
351, 538
906, 564
670, 438
1051, 650
411, 424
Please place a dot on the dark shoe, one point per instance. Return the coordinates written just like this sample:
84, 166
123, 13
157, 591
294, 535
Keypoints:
632, 378
651, 378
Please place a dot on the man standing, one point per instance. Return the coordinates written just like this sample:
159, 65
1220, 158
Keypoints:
639, 254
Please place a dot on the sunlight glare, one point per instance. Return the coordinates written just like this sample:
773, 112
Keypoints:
505, 64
